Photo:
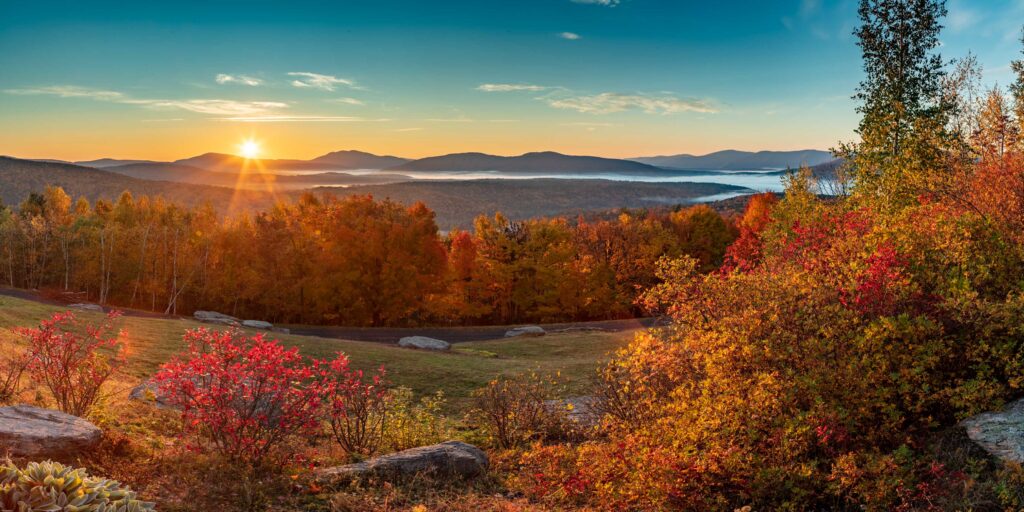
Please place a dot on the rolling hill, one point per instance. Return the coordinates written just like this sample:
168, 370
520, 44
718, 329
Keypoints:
221, 162
741, 160
547, 161
19, 178
102, 163
350, 159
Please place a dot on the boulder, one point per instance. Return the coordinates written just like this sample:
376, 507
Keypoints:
424, 342
149, 393
1001, 434
31, 432
213, 317
87, 307
526, 330
451, 458
258, 324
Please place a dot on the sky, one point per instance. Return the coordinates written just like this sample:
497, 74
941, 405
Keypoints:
413, 78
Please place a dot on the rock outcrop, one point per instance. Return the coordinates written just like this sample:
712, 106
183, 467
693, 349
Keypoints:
526, 330
213, 317
258, 324
1001, 434
84, 306
448, 459
424, 342
32, 432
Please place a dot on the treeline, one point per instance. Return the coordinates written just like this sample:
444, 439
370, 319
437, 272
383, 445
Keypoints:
345, 261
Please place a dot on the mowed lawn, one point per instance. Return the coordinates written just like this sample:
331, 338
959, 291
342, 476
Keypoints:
576, 356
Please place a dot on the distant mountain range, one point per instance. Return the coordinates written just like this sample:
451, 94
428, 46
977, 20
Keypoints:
741, 160
537, 162
456, 202
547, 161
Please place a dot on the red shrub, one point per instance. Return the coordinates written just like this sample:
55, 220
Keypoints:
72, 360
356, 409
245, 396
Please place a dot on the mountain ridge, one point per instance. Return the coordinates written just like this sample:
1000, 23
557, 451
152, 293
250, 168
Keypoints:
732, 159
539, 161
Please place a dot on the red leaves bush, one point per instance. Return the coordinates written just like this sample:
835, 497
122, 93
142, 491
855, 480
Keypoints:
356, 410
248, 397
74, 360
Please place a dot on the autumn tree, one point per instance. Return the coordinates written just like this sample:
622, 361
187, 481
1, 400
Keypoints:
900, 101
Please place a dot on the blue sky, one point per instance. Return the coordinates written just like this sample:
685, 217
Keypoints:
616, 78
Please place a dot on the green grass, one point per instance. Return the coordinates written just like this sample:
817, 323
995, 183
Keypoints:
576, 356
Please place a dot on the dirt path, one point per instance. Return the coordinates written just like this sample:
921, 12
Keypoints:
388, 334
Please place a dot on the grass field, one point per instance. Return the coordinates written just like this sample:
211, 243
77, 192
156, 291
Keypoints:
151, 341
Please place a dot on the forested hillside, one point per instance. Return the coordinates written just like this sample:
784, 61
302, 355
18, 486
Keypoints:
347, 261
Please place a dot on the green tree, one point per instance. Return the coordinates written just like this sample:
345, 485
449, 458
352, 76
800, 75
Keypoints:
901, 101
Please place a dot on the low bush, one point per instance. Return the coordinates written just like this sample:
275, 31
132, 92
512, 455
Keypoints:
243, 396
413, 423
11, 369
356, 408
512, 410
73, 360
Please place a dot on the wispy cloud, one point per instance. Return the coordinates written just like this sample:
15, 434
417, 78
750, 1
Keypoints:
301, 119
606, 3
70, 91
238, 79
610, 102
511, 87
220, 107
213, 107
572, 36
460, 119
464, 119
318, 81
590, 125
347, 101
408, 129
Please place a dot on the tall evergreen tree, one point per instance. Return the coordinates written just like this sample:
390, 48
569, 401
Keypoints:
901, 98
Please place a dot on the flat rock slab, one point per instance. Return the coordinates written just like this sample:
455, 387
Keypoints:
87, 307
451, 458
258, 324
213, 317
424, 342
1001, 433
32, 432
526, 330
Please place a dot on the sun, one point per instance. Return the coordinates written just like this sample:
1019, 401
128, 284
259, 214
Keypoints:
250, 149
